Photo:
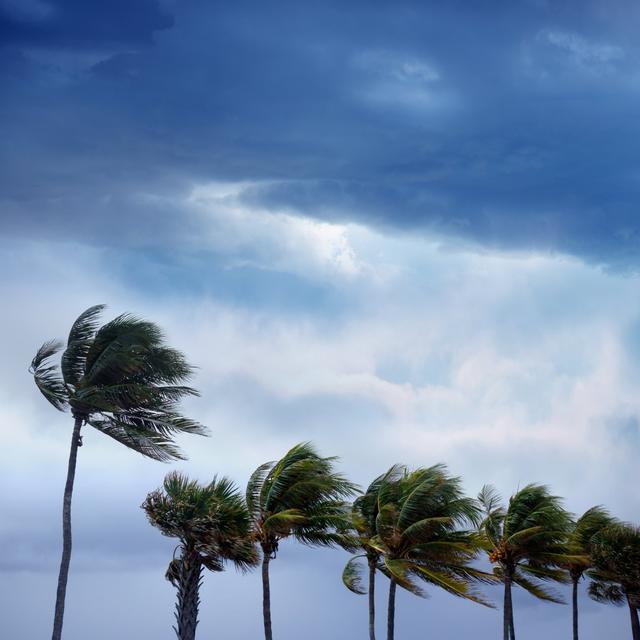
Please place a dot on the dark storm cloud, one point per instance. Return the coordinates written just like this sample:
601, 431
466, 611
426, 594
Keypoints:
81, 23
512, 125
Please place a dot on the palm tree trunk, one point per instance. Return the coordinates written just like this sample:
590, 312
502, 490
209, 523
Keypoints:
63, 575
391, 612
635, 623
372, 599
575, 608
507, 614
512, 626
188, 602
266, 594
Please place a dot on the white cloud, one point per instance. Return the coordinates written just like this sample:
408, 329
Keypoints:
279, 241
400, 80
581, 50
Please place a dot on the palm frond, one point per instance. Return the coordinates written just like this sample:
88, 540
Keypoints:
607, 593
352, 576
536, 589
78, 343
46, 375
149, 443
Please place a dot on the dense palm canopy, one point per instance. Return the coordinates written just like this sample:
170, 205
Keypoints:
615, 576
125, 382
527, 542
299, 496
122, 380
579, 545
420, 538
213, 526
364, 515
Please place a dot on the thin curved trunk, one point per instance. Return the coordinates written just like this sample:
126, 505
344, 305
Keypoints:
188, 601
575, 608
391, 612
266, 594
372, 599
635, 623
507, 613
63, 575
512, 626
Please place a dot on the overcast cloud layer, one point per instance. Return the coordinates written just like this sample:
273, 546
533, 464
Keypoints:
406, 232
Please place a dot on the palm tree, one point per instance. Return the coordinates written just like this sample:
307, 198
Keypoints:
364, 513
122, 380
300, 496
418, 536
582, 532
615, 551
212, 524
527, 541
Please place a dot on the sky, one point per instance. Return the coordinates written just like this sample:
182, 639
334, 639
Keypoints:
406, 232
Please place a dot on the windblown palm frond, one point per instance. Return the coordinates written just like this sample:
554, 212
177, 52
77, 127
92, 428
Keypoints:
47, 377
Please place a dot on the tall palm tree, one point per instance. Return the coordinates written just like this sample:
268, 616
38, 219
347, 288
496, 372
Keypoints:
299, 496
212, 524
615, 551
125, 382
527, 542
582, 532
419, 538
364, 513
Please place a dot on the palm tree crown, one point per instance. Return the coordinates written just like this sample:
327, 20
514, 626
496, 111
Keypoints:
581, 536
615, 575
419, 534
528, 540
300, 496
122, 380
211, 519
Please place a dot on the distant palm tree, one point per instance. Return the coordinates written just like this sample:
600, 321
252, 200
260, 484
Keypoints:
615, 577
213, 526
527, 541
300, 496
364, 515
122, 380
419, 538
579, 545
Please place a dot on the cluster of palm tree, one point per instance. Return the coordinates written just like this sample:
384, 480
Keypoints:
414, 526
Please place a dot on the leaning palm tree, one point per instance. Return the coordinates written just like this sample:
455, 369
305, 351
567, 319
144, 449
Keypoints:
579, 544
300, 496
420, 540
212, 524
125, 382
364, 513
527, 542
615, 551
